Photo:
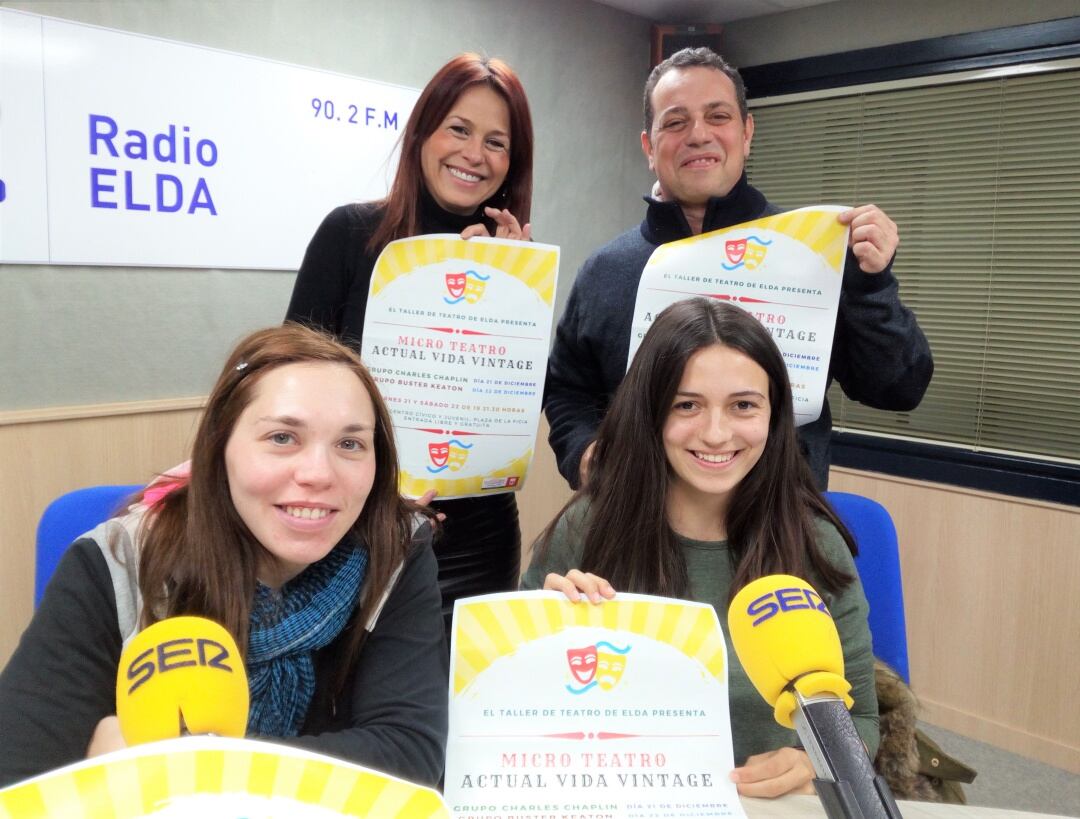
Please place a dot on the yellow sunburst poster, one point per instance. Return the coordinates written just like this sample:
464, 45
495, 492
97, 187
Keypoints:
566, 709
217, 777
785, 270
456, 334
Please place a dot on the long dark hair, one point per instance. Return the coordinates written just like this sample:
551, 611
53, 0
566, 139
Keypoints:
770, 520
401, 208
197, 555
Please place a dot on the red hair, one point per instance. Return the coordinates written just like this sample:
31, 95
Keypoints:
401, 208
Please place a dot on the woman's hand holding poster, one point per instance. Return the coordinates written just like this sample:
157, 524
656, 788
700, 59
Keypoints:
456, 335
785, 270
570, 709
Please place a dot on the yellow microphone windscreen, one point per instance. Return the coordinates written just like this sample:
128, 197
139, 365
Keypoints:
181, 668
782, 631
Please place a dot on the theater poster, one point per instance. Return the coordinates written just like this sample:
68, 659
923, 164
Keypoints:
209, 777
561, 709
785, 270
457, 334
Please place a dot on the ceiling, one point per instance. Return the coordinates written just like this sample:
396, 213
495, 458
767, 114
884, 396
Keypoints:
706, 11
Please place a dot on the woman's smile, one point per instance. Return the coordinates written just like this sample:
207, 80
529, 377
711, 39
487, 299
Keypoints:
466, 159
717, 459
714, 434
301, 462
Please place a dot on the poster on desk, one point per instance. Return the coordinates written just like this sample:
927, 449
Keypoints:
207, 776
456, 335
561, 709
785, 270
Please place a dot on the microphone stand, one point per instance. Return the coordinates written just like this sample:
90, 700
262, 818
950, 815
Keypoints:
846, 782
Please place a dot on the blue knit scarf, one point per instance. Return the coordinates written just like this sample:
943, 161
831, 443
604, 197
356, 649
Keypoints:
288, 627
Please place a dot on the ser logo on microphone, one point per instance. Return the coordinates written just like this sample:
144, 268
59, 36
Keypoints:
794, 598
179, 653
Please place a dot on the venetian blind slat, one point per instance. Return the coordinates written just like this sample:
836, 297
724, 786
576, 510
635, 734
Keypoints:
983, 179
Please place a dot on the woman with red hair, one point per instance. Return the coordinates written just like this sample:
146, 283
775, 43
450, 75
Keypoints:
465, 168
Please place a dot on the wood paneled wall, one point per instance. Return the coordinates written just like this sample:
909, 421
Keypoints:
991, 583
45, 454
992, 598
544, 494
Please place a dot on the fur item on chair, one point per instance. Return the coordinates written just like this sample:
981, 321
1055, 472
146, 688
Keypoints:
913, 764
898, 755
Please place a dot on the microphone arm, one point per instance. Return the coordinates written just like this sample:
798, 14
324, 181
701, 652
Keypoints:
846, 781
789, 647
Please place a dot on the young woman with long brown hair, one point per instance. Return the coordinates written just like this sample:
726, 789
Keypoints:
289, 531
696, 487
465, 168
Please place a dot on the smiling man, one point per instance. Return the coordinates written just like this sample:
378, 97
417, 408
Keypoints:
697, 137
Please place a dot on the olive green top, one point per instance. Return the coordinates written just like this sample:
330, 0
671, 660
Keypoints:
710, 568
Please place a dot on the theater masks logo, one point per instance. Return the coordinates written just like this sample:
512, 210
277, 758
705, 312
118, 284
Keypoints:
748, 252
468, 287
600, 665
445, 455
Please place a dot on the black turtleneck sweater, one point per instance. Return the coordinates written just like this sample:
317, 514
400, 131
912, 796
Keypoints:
332, 286
480, 544
880, 356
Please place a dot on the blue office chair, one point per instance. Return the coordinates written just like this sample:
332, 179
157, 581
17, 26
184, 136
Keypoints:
67, 517
878, 565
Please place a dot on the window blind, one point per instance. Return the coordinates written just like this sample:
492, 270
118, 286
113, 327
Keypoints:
983, 179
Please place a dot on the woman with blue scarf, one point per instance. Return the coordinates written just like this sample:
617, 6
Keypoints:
287, 529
